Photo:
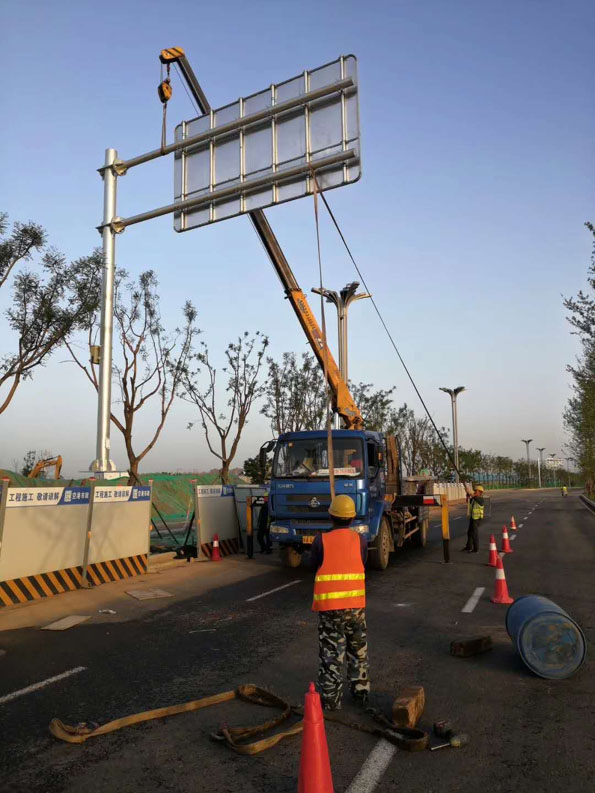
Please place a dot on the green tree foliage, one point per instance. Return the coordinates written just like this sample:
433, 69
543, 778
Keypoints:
294, 394
579, 416
48, 302
252, 469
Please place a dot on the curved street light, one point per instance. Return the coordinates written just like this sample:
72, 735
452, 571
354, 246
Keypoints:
454, 392
527, 442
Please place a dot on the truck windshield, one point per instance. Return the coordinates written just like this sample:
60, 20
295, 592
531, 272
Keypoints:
308, 458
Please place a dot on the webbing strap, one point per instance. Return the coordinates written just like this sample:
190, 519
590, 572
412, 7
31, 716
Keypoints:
352, 593
341, 577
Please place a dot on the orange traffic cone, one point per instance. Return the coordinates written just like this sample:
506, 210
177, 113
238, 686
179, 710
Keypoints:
216, 556
501, 590
505, 541
513, 524
493, 560
315, 767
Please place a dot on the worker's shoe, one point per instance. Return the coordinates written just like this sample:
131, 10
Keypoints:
360, 698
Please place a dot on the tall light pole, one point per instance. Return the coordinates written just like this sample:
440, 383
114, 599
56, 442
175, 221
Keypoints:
553, 457
342, 300
527, 442
454, 392
568, 461
541, 450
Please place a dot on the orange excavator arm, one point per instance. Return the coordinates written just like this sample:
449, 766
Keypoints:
342, 401
41, 465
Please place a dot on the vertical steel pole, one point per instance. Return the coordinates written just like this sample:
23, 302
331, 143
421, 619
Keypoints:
3, 500
103, 461
340, 305
343, 365
455, 435
539, 471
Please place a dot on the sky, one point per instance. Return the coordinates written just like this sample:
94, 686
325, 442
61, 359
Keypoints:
477, 123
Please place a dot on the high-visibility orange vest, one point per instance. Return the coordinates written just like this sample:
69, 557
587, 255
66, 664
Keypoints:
340, 581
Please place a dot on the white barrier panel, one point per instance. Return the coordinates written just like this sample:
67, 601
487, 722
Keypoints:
44, 530
43, 533
121, 523
215, 512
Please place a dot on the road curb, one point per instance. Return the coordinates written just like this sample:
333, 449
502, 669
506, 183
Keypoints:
588, 503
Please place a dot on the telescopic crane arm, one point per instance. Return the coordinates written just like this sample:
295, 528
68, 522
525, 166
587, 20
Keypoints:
342, 400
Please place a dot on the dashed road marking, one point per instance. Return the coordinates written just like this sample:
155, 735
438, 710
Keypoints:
42, 684
513, 537
373, 769
473, 600
270, 592
521, 525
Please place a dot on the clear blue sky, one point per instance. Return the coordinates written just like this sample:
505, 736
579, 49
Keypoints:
478, 123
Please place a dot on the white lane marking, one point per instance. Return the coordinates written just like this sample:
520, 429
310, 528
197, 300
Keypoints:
374, 767
459, 518
521, 525
473, 600
513, 537
270, 592
36, 686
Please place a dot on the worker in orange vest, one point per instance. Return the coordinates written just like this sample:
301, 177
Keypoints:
340, 600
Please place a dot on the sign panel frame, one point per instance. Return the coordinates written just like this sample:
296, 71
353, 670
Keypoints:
260, 150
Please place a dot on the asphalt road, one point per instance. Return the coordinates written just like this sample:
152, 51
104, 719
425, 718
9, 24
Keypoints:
525, 732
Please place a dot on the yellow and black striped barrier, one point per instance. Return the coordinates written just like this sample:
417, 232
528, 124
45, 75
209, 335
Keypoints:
41, 585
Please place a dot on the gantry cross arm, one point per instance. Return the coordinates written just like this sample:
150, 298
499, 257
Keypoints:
342, 401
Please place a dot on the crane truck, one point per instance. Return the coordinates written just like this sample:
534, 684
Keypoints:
390, 508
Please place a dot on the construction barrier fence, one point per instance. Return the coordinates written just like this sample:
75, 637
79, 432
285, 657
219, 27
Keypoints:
57, 539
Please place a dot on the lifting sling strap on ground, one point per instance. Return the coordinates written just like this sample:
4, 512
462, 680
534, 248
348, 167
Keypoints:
411, 740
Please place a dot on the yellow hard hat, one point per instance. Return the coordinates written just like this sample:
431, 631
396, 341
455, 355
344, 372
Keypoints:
480, 488
342, 507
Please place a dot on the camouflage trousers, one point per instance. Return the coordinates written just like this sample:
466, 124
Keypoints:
342, 632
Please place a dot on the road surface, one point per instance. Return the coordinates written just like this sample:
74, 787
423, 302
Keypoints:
526, 733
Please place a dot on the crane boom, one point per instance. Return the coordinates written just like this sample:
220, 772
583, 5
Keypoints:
342, 401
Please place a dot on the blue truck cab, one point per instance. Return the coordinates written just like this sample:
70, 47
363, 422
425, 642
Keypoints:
300, 493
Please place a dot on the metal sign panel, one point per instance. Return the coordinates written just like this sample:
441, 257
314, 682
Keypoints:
261, 149
551, 462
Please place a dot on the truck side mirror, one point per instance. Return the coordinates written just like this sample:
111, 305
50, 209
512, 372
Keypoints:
265, 449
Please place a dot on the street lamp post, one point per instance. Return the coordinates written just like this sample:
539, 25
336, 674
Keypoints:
342, 300
541, 450
527, 442
568, 461
553, 457
454, 392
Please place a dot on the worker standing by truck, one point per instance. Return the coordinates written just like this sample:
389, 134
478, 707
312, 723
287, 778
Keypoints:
340, 600
263, 534
475, 510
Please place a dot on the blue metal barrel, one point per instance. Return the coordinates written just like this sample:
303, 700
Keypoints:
548, 640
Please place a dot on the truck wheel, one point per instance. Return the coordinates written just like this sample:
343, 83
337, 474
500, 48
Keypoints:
290, 557
378, 556
420, 538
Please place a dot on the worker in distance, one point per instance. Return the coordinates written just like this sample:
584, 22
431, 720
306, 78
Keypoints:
475, 511
339, 557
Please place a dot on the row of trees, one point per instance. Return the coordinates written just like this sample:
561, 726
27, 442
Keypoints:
57, 305
579, 415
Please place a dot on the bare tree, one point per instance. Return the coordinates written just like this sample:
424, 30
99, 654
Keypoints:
151, 363
44, 311
223, 430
